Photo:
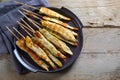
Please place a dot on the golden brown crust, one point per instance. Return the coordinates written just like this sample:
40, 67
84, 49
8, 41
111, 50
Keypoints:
51, 13
57, 42
60, 23
52, 57
65, 33
21, 44
59, 37
38, 51
44, 42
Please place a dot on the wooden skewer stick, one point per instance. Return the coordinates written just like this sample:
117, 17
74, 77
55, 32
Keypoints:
29, 19
24, 29
22, 13
27, 5
18, 32
33, 22
12, 33
27, 25
30, 14
28, 11
36, 23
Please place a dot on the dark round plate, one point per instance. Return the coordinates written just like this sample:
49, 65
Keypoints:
27, 62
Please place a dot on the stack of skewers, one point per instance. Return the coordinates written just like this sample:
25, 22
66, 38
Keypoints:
46, 45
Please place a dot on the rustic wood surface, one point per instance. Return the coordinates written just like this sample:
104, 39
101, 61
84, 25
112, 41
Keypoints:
94, 13
100, 56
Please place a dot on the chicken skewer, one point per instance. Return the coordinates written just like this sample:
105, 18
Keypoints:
55, 35
60, 23
42, 41
51, 40
46, 11
63, 32
53, 20
40, 38
58, 43
57, 29
53, 58
21, 44
51, 13
50, 19
36, 49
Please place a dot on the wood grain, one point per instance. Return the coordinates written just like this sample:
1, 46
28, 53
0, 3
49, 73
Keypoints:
93, 13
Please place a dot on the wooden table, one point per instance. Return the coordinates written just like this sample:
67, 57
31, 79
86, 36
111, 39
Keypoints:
100, 56
94, 13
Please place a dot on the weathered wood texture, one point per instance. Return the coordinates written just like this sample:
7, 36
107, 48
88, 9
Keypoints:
87, 67
101, 40
94, 13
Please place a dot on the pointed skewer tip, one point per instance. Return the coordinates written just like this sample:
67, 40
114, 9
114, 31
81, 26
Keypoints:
19, 32
12, 33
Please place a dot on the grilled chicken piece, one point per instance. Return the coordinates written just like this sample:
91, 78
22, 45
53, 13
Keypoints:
35, 15
40, 39
58, 43
46, 11
21, 44
38, 51
60, 23
51, 13
57, 22
59, 37
52, 57
63, 32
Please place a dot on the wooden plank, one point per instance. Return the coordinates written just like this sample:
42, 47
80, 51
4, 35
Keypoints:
93, 12
101, 40
87, 67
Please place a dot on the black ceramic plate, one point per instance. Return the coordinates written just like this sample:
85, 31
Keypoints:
26, 61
